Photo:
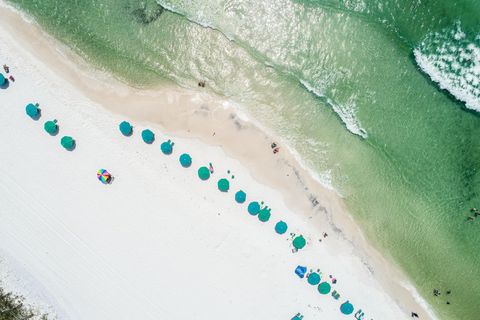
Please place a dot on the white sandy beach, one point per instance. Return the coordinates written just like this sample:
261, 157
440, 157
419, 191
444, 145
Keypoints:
159, 242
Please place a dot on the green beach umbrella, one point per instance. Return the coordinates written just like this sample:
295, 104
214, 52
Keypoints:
324, 288
51, 127
253, 208
240, 196
148, 136
32, 110
314, 278
167, 147
203, 173
299, 242
125, 128
264, 214
346, 308
281, 227
223, 185
185, 160
2, 80
67, 142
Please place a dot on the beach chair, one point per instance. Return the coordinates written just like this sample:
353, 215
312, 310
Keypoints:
298, 316
359, 315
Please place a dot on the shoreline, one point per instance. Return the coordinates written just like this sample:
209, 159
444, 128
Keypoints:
231, 131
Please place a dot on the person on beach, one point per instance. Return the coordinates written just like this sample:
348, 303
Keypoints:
11, 78
201, 83
210, 168
275, 151
414, 315
6, 68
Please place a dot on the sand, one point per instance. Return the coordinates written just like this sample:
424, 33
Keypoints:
159, 242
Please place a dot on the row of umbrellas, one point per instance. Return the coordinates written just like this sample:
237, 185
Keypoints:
323, 288
223, 184
51, 126
254, 208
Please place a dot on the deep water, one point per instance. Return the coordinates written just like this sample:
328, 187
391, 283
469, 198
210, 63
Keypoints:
378, 98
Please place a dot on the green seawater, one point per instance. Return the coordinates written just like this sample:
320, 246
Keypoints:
348, 83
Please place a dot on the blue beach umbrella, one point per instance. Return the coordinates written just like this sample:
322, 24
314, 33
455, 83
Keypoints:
264, 214
299, 242
346, 308
125, 128
223, 185
253, 208
324, 288
32, 110
167, 147
185, 160
240, 196
2, 80
148, 136
281, 227
313, 278
203, 173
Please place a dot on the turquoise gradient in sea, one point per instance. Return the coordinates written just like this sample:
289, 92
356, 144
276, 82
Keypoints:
380, 99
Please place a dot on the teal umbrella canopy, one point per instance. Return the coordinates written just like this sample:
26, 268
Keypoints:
185, 160
203, 173
253, 208
264, 214
51, 127
148, 136
67, 142
324, 288
299, 242
223, 185
126, 128
32, 110
346, 308
313, 278
281, 227
167, 147
2, 80
240, 196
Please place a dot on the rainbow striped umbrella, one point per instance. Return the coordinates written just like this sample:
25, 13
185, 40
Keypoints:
104, 176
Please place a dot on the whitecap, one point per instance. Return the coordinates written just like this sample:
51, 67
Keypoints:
452, 60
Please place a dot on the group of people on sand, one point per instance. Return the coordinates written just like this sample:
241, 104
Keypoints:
275, 148
475, 212
7, 71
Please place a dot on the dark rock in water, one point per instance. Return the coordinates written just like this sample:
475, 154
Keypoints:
147, 11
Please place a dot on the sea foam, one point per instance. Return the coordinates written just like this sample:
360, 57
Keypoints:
346, 112
452, 60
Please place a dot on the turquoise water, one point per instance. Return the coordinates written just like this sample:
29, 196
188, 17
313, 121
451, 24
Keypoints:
378, 97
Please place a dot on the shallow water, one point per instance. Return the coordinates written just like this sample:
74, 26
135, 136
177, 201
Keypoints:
353, 86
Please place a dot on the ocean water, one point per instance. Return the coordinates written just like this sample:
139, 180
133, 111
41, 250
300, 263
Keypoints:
380, 97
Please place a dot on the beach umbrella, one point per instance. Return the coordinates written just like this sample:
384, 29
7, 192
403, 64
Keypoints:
300, 271
32, 110
51, 127
324, 287
264, 215
223, 185
167, 147
2, 80
281, 227
253, 208
185, 160
313, 278
299, 242
67, 142
148, 136
203, 173
104, 176
346, 308
125, 128
240, 196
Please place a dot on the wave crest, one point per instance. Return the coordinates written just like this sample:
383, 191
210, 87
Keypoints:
452, 59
